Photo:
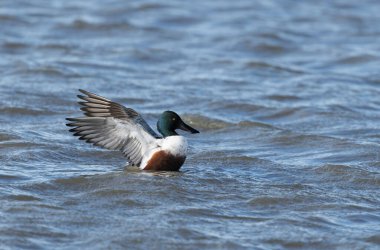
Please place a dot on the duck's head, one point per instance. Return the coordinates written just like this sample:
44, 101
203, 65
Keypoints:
169, 121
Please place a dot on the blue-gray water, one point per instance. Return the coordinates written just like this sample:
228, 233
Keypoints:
285, 94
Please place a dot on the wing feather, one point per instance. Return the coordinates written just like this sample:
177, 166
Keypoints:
112, 126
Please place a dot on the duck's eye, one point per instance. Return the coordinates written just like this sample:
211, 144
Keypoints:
173, 119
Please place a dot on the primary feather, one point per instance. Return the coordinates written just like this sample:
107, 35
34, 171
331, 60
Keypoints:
112, 126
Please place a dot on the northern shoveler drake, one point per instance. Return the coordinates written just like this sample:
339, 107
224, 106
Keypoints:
112, 126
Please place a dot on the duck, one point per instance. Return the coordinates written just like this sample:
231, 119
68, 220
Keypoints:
112, 126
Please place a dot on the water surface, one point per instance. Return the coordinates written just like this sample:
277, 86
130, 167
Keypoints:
285, 94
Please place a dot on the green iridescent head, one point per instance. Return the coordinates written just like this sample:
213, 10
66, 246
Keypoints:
169, 121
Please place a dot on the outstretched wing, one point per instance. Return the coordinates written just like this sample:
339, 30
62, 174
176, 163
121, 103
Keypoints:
112, 126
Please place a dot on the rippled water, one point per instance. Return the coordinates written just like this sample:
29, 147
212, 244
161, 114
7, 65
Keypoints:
285, 94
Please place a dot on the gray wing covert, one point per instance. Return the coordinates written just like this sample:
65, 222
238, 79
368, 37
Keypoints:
112, 126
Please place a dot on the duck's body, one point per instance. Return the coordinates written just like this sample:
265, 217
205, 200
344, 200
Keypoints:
113, 126
169, 155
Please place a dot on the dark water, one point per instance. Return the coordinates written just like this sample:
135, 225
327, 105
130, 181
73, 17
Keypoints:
285, 94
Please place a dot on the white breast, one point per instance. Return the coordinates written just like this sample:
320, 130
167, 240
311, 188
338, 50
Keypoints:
175, 145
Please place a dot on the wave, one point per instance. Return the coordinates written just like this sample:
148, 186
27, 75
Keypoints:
82, 24
25, 111
207, 123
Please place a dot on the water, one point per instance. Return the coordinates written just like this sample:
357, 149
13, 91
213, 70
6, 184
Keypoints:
285, 94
